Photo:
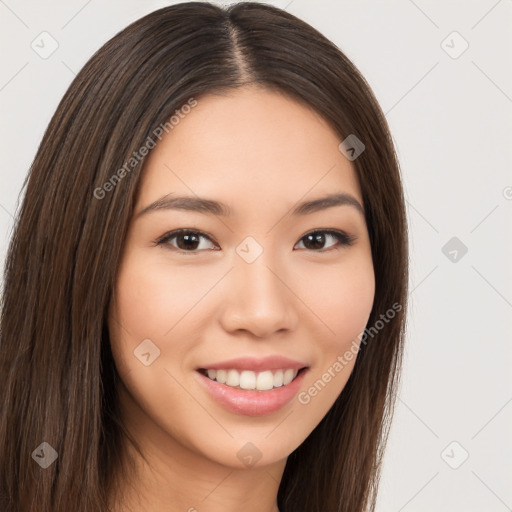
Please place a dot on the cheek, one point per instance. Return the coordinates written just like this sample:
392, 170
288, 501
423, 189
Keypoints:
149, 302
151, 298
157, 302
342, 300
143, 309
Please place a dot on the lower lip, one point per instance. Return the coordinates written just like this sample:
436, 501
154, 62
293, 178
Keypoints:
251, 402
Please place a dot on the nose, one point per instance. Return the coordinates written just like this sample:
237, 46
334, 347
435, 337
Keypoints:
259, 300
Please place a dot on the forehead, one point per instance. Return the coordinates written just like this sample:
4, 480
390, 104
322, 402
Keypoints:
249, 148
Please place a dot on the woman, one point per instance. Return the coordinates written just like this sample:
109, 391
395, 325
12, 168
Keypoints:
205, 292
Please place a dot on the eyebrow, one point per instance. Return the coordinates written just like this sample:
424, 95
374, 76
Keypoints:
209, 206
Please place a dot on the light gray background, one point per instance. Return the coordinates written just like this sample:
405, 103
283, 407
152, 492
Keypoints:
452, 126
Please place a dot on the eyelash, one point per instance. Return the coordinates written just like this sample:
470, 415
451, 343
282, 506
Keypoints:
343, 239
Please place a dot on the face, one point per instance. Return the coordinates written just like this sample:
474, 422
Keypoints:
254, 292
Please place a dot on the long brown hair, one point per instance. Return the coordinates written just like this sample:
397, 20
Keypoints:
57, 375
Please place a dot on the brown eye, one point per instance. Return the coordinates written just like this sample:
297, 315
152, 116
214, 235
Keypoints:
184, 240
190, 241
316, 239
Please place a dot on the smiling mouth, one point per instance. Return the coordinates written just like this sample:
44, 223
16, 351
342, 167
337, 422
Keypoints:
250, 380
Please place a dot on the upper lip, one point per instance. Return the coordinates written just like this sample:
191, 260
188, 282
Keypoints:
255, 364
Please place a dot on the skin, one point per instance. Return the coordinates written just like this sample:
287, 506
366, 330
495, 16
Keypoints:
261, 153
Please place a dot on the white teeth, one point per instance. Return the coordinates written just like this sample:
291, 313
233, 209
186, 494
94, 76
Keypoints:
233, 378
278, 378
289, 375
246, 379
265, 380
